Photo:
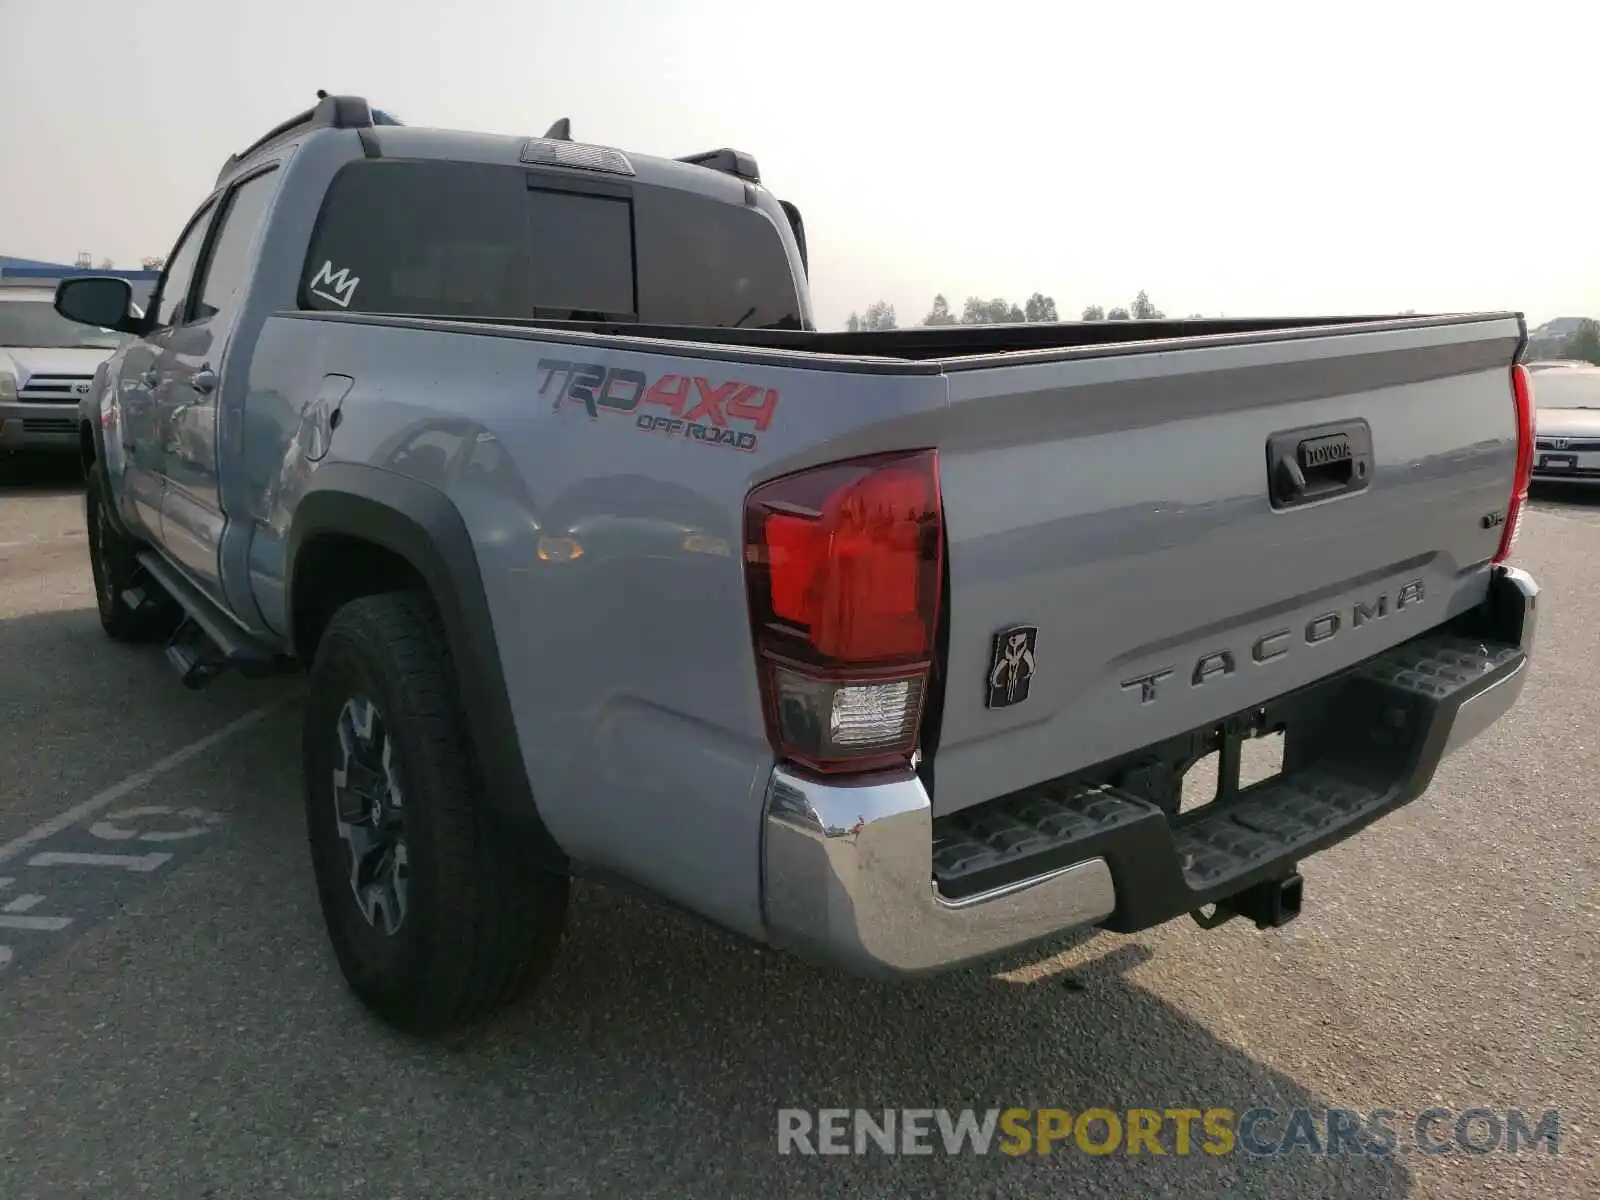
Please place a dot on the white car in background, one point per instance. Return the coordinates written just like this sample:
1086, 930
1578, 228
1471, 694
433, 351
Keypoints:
1567, 422
47, 364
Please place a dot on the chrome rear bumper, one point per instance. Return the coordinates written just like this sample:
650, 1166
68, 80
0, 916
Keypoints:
848, 870
849, 879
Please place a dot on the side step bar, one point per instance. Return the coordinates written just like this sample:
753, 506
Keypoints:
207, 641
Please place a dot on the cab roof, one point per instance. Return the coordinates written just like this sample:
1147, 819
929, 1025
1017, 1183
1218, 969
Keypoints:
720, 174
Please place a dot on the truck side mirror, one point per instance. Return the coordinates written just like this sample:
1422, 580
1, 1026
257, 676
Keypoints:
98, 300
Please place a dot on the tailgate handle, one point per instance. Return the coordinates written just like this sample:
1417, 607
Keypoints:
1318, 463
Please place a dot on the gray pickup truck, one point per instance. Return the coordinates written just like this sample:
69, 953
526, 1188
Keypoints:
890, 648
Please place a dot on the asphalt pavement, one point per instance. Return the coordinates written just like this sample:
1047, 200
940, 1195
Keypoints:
172, 1023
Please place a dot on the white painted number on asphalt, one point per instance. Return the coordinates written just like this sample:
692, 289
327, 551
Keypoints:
200, 823
140, 824
128, 862
14, 914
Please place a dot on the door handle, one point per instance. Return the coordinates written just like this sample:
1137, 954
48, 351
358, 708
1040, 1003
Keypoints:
204, 381
1318, 463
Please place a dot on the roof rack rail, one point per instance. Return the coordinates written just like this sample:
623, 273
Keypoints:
730, 162
330, 112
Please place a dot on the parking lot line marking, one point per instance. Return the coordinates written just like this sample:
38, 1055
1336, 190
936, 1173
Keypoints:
24, 903
132, 862
38, 924
110, 795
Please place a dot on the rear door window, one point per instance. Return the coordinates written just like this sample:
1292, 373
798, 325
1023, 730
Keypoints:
175, 284
482, 240
229, 263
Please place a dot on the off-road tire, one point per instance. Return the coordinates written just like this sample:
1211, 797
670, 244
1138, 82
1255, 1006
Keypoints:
113, 562
482, 920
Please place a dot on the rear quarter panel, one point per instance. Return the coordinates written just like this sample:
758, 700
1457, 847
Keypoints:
611, 558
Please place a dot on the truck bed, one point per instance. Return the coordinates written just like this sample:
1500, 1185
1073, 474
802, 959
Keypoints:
1114, 496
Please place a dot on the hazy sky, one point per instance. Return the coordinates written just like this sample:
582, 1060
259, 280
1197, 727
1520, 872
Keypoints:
1237, 158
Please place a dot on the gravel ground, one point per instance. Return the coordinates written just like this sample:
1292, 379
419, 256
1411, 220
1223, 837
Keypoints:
185, 1032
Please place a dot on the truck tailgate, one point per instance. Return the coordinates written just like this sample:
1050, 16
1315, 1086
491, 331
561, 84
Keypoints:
1118, 504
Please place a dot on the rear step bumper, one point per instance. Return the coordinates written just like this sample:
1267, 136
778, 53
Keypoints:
863, 875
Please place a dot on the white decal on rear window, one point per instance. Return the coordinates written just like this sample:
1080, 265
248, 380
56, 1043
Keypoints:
335, 286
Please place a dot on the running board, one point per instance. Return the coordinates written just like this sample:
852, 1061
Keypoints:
207, 641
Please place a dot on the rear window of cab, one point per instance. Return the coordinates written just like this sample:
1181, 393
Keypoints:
422, 238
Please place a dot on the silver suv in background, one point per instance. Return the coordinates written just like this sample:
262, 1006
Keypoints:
1567, 437
47, 364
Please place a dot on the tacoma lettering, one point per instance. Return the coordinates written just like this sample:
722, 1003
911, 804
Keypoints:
1147, 684
1323, 627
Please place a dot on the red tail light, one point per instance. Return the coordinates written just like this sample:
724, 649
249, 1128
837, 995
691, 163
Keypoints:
842, 564
1522, 390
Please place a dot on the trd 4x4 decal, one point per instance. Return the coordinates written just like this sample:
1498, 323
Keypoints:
685, 406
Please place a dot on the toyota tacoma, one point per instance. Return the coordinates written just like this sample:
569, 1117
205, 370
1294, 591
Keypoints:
888, 648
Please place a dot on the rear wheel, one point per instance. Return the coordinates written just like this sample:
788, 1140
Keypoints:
113, 562
436, 919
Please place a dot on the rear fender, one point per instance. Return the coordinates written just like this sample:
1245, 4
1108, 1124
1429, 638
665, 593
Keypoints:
422, 526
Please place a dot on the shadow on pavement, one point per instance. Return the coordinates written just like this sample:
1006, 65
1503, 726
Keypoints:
40, 474
652, 1023
1576, 495
652, 1061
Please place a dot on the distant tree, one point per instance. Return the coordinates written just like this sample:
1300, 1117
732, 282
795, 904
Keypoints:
107, 265
878, 315
990, 312
154, 263
940, 313
1143, 310
1584, 342
1040, 308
